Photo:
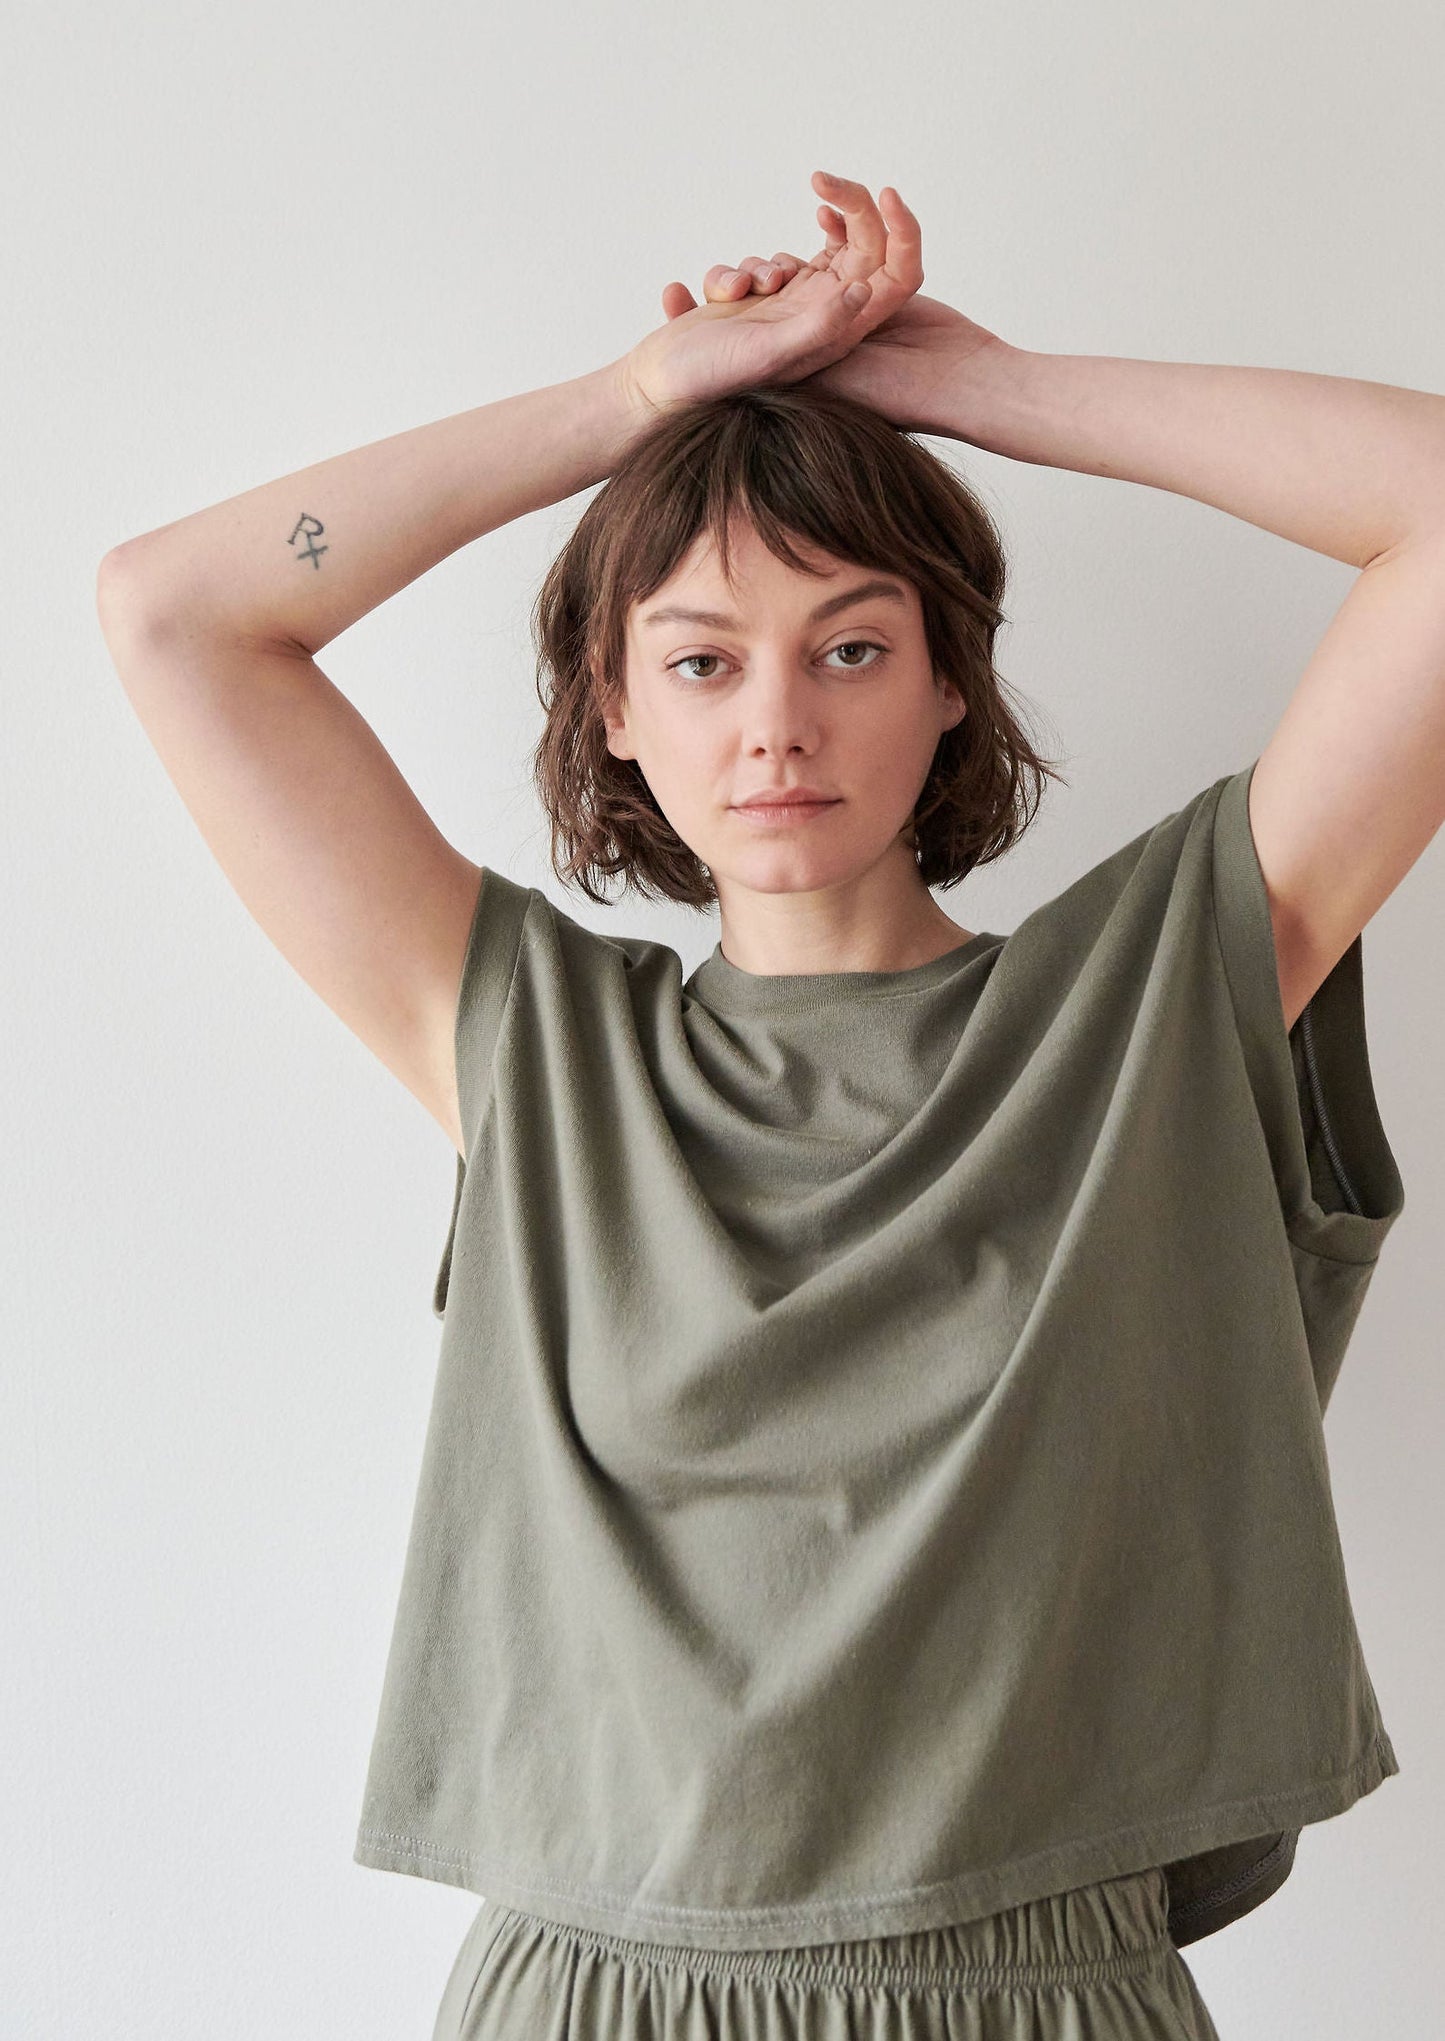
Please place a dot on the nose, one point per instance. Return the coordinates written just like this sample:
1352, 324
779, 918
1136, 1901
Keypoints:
780, 712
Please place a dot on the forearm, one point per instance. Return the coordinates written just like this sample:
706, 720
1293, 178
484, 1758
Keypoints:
1347, 468
294, 562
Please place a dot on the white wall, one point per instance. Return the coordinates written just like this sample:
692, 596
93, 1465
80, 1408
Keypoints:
240, 239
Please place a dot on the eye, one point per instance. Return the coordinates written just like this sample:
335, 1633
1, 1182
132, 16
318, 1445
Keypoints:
848, 645
859, 644
689, 659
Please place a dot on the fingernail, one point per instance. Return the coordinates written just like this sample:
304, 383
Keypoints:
766, 272
727, 276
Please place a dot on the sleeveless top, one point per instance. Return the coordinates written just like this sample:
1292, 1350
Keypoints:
875, 1473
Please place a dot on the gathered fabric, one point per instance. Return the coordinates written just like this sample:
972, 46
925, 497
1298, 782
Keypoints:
1095, 1964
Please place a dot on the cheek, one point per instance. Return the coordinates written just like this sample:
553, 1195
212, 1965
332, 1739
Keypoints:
682, 759
894, 743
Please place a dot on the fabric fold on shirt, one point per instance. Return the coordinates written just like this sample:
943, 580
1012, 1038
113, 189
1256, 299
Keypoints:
876, 1471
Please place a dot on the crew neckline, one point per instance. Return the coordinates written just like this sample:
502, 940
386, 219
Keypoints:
728, 987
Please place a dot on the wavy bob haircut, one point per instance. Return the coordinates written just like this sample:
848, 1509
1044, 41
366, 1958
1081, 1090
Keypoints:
797, 463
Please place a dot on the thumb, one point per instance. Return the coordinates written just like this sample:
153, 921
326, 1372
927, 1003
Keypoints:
857, 295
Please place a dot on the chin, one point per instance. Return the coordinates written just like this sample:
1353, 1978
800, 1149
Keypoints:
785, 871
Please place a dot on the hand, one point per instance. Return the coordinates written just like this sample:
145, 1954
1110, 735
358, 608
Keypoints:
911, 366
806, 317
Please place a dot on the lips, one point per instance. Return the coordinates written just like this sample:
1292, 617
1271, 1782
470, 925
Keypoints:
778, 814
790, 797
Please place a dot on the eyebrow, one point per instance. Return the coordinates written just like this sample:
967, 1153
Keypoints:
717, 621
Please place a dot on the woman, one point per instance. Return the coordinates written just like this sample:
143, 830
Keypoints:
873, 1567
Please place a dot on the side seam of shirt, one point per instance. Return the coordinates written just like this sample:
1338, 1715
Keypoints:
1339, 1182
488, 972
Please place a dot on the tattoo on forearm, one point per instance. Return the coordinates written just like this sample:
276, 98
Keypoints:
311, 528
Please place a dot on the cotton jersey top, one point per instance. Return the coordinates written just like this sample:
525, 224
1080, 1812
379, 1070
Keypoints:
875, 1473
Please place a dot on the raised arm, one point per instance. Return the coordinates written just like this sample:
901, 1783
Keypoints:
212, 623
292, 564
1350, 788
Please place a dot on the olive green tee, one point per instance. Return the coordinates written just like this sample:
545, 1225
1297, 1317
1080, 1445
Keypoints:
876, 1473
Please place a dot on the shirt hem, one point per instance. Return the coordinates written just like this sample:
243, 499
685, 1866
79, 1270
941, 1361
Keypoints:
966, 1897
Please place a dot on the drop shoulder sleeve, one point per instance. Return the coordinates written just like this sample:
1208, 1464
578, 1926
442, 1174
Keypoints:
1339, 1182
487, 973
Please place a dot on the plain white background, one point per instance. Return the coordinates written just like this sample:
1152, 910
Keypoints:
239, 240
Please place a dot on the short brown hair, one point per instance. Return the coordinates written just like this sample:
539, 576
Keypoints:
795, 461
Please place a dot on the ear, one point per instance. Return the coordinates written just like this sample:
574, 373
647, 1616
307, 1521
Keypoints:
955, 708
614, 722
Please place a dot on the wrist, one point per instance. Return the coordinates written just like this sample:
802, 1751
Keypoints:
989, 394
613, 412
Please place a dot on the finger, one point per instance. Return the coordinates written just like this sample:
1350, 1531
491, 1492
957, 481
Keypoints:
903, 261
765, 276
763, 279
867, 233
788, 266
836, 229
758, 272
783, 265
768, 276
723, 285
677, 299
902, 270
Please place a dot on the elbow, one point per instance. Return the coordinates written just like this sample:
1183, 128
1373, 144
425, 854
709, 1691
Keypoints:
121, 597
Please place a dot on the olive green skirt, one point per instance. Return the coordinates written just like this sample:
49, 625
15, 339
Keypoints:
1094, 1964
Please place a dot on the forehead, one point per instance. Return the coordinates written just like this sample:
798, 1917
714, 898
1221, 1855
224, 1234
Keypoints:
699, 592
